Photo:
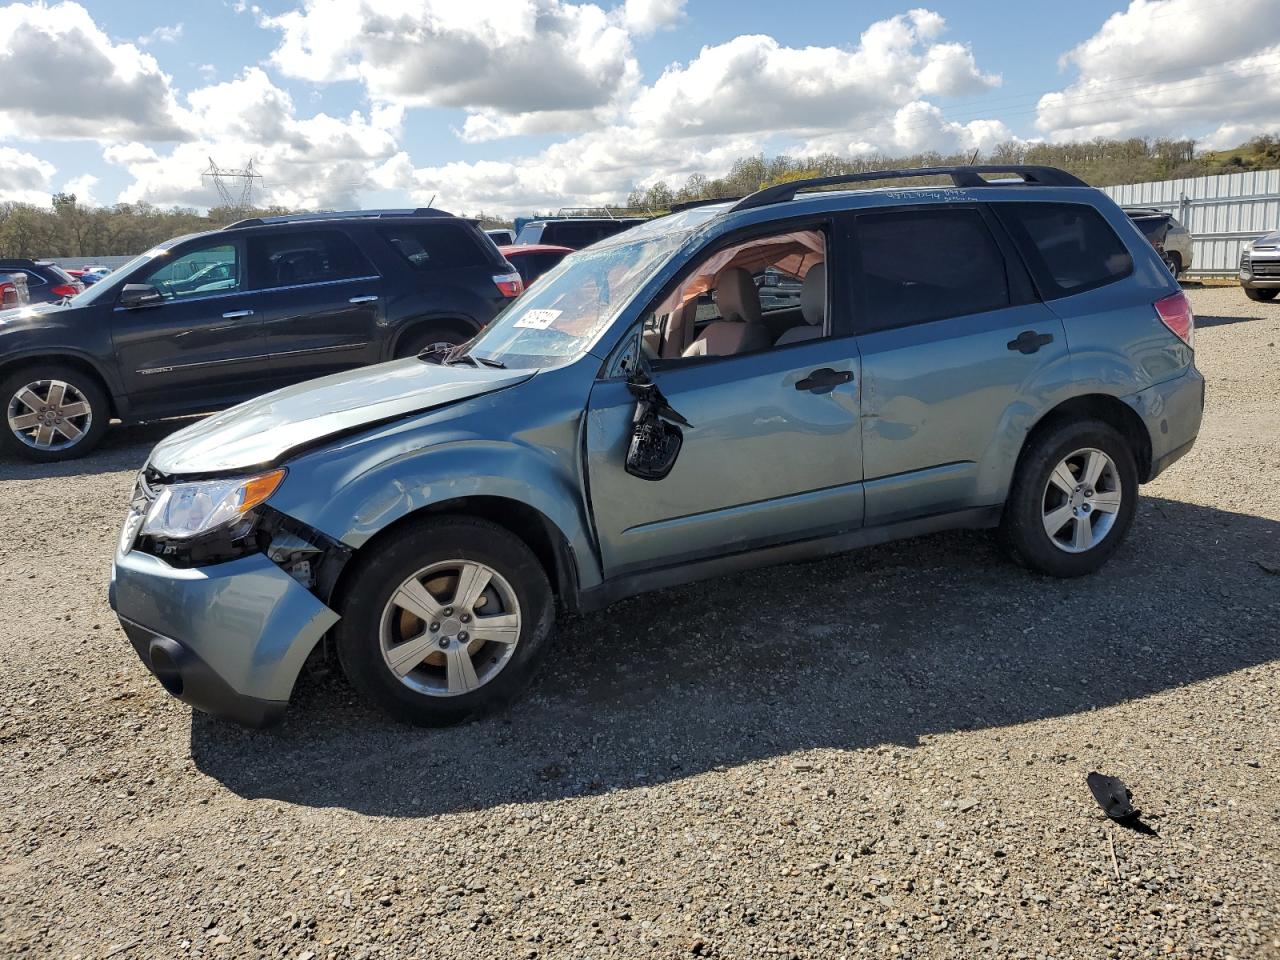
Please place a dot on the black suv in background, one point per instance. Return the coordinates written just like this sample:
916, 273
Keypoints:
208, 320
574, 232
46, 282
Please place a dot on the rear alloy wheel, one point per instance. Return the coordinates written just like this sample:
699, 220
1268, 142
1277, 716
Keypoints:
1261, 294
52, 413
1174, 262
444, 619
1072, 500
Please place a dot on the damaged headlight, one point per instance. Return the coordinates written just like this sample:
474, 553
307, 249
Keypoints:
186, 510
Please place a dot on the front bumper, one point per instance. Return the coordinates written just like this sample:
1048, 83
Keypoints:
229, 639
1172, 412
1260, 270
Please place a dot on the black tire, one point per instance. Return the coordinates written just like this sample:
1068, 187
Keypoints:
62, 447
1022, 528
1261, 294
418, 340
1174, 262
379, 573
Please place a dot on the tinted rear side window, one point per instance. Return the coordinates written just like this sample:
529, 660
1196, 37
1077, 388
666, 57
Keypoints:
438, 247
290, 259
923, 265
530, 233
1070, 247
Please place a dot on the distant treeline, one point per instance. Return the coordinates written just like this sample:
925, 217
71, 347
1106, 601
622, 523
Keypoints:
1102, 163
67, 228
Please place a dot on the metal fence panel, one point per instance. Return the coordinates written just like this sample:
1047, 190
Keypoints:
1223, 213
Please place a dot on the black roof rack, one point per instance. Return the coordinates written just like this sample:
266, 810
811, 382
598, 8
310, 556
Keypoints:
337, 215
961, 176
690, 204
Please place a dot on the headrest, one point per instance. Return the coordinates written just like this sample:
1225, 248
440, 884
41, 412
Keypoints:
813, 295
736, 296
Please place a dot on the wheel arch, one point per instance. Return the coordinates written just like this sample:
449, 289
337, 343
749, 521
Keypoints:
525, 522
455, 322
1108, 409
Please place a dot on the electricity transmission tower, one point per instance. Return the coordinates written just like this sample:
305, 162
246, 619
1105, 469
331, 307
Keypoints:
235, 187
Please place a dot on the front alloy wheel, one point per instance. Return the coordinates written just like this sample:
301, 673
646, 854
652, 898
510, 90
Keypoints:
443, 618
52, 413
450, 628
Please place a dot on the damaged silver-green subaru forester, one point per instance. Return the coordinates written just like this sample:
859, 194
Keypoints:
739, 383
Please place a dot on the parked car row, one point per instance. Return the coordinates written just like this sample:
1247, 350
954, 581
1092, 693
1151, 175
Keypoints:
46, 281
205, 321
657, 408
1167, 235
1260, 268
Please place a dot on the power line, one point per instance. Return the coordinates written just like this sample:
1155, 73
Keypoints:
237, 196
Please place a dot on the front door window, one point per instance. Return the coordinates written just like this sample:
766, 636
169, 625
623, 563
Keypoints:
198, 273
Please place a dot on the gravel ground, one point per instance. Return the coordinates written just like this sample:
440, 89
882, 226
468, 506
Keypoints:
881, 754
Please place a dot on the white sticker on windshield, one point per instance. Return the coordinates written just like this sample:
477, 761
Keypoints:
538, 319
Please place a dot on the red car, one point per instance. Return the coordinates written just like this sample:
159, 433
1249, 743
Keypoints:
532, 260
13, 290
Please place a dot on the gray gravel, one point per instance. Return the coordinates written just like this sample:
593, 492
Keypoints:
877, 755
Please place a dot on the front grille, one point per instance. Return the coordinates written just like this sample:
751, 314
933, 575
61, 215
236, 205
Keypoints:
1265, 268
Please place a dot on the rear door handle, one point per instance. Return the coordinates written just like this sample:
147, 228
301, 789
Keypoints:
824, 379
237, 313
1028, 341
367, 299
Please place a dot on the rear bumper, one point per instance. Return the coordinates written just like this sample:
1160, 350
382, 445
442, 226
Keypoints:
229, 639
1172, 412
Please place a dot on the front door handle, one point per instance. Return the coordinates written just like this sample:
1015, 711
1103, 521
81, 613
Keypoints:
368, 299
1028, 341
824, 379
232, 315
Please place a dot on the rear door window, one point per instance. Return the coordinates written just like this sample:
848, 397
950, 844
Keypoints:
923, 265
296, 258
436, 246
1069, 247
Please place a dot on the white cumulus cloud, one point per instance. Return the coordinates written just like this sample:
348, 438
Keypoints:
25, 178
1173, 68
63, 77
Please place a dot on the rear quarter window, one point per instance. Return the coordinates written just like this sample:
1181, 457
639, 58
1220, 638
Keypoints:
438, 246
1069, 247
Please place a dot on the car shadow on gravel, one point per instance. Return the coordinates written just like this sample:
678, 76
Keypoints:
1212, 321
883, 646
122, 448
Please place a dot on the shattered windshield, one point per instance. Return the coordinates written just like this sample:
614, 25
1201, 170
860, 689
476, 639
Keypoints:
562, 313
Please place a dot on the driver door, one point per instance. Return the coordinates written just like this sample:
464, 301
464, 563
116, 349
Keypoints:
203, 346
773, 453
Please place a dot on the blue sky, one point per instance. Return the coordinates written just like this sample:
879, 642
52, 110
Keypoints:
506, 104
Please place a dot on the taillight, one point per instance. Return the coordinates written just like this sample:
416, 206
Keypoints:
66, 289
1176, 314
509, 284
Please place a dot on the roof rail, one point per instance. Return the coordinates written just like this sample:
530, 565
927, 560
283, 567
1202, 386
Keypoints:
690, 204
337, 215
602, 212
961, 176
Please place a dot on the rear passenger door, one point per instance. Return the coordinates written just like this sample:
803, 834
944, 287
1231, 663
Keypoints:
959, 358
318, 299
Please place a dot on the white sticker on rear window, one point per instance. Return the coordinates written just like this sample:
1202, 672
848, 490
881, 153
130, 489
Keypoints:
538, 319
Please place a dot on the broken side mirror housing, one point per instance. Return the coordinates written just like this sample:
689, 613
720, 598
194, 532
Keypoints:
656, 436
655, 444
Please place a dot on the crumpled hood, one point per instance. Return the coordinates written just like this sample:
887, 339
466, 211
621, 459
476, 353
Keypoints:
262, 431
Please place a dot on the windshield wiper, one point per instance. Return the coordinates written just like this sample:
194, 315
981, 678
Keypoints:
487, 361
